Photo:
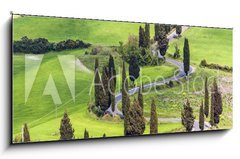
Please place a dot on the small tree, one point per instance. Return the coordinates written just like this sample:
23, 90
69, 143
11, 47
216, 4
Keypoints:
162, 42
157, 30
25, 134
206, 101
104, 91
136, 121
66, 130
186, 56
104, 135
153, 119
201, 117
86, 134
179, 30
112, 92
111, 67
133, 69
187, 116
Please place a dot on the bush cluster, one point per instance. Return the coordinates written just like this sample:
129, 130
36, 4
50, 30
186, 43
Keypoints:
204, 63
42, 45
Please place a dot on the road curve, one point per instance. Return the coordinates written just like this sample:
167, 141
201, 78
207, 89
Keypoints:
180, 74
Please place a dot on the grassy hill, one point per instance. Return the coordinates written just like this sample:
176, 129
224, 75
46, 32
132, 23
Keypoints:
57, 29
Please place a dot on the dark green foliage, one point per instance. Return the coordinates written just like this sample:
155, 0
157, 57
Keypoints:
104, 135
66, 130
136, 121
162, 42
147, 36
153, 119
124, 89
201, 117
187, 116
112, 92
179, 29
133, 69
42, 45
167, 28
111, 67
140, 97
225, 68
186, 56
141, 37
206, 96
104, 91
156, 30
97, 83
25, 134
86, 134
216, 104
126, 115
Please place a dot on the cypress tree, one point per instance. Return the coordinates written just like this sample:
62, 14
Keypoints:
25, 134
86, 134
133, 68
140, 97
206, 101
104, 91
97, 83
111, 67
104, 135
186, 56
127, 116
153, 119
162, 42
178, 29
216, 104
201, 117
156, 30
112, 93
141, 37
66, 130
136, 121
147, 35
124, 89
187, 116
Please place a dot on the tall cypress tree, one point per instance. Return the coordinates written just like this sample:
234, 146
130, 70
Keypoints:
201, 117
206, 101
124, 89
136, 121
112, 93
156, 31
86, 134
141, 37
25, 134
126, 115
97, 83
153, 119
104, 91
66, 130
187, 116
186, 56
216, 104
111, 67
147, 35
140, 97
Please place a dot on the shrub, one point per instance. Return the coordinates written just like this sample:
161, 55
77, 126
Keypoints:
225, 68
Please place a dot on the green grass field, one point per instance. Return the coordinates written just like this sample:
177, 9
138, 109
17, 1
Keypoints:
40, 113
213, 45
57, 29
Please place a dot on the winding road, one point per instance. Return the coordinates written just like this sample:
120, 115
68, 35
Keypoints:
175, 77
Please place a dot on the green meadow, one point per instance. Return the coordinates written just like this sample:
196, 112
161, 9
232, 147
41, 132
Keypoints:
43, 117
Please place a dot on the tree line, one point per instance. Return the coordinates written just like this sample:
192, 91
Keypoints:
42, 45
